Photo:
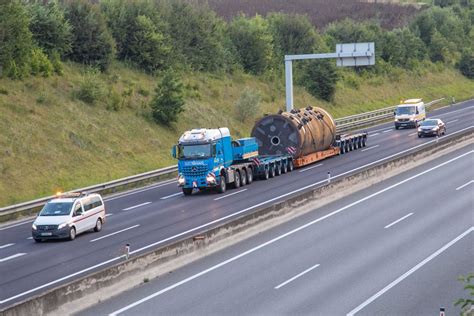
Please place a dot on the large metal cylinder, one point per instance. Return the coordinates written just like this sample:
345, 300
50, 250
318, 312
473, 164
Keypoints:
299, 132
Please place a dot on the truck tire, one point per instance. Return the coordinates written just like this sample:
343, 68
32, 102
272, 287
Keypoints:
237, 180
187, 191
249, 175
265, 175
291, 166
277, 170
222, 185
364, 142
284, 167
272, 172
243, 177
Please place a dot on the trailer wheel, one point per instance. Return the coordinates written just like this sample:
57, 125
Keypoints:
277, 170
187, 191
356, 143
364, 140
284, 167
347, 147
291, 166
265, 175
243, 177
272, 172
341, 149
237, 180
249, 175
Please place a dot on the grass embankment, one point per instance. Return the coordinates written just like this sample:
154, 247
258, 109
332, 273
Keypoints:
49, 140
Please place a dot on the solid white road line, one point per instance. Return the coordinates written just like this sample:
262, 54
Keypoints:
222, 219
406, 274
449, 122
5, 246
464, 185
109, 214
12, 257
318, 165
375, 134
369, 148
223, 197
115, 233
412, 134
172, 195
398, 220
135, 206
389, 130
29, 238
278, 237
18, 224
296, 276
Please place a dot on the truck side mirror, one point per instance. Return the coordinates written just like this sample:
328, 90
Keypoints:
173, 151
394, 113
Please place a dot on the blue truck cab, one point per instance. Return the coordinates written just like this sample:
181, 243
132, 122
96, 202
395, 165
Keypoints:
210, 159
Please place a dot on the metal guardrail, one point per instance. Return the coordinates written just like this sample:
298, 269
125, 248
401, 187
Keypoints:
360, 120
343, 124
94, 188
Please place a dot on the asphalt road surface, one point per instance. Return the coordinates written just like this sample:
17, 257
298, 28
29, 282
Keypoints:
151, 217
396, 248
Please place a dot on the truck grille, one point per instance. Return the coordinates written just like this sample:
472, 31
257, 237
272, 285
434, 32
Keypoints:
195, 171
46, 227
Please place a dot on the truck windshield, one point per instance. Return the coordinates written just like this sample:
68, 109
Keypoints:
406, 110
56, 209
194, 151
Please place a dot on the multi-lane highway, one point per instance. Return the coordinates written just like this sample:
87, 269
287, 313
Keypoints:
396, 248
150, 217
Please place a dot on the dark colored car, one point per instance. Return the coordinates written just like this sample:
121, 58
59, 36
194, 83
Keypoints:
431, 127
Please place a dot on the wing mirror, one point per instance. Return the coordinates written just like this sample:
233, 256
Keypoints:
173, 151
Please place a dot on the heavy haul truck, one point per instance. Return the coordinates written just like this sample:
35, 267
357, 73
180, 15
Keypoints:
208, 159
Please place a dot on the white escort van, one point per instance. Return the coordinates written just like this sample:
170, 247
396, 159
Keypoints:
410, 113
68, 215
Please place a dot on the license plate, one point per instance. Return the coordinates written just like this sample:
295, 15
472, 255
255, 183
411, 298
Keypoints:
46, 234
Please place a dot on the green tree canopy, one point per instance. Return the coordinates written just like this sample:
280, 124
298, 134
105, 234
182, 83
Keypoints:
50, 29
92, 43
253, 43
168, 101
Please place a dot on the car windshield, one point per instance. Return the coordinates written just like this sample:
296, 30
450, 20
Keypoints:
406, 110
194, 151
429, 123
56, 209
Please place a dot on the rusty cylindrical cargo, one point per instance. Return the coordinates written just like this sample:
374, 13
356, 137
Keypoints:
299, 132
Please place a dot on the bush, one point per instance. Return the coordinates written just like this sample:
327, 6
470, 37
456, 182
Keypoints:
91, 88
248, 105
466, 64
114, 101
168, 101
40, 64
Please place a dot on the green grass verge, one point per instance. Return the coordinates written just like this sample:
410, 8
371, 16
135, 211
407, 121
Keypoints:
51, 141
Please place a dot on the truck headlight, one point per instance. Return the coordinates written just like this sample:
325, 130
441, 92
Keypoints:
33, 226
211, 178
181, 180
412, 118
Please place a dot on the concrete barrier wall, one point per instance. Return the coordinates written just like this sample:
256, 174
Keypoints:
98, 286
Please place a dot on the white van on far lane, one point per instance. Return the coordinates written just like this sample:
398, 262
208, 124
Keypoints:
68, 215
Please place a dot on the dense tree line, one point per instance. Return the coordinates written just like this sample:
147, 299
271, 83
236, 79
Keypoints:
159, 35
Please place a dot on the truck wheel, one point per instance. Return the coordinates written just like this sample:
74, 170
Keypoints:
72, 233
222, 185
277, 170
237, 180
243, 178
364, 140
187, 191
272, 172
284, 167
265, 175
397, 127
291, 166
249, 175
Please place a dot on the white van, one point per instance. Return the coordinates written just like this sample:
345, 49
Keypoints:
409, 113
69, 215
